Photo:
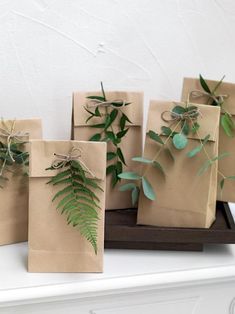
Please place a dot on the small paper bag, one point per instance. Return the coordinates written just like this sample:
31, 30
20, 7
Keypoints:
131, 143
14, 191
226, 143
55, 245
183, 198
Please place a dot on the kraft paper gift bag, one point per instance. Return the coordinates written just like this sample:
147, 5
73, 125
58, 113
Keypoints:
14, 189
192, 88
183, 198
56, 241
131, 142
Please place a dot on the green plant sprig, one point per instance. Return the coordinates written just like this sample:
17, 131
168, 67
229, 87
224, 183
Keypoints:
226, 120
179, 141
12, 153
77, 198
115, 157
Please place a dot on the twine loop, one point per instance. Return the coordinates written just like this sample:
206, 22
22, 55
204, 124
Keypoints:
171, 116
61, 160
198, 93
94, 103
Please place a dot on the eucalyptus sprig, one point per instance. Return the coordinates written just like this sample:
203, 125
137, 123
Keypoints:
226, 120
76, 198
184, 121
112, 113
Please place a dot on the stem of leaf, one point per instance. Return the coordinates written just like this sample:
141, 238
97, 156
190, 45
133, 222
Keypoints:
162, 147
206, 153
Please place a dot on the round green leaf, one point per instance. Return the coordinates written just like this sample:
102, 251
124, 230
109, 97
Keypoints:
180, 141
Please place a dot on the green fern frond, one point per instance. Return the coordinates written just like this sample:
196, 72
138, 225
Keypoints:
77, 199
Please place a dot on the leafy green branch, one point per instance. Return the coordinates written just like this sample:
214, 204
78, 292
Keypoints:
112, 113
226, 120
184, 118
76, 198
12, 153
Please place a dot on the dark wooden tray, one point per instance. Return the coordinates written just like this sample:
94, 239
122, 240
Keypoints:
121, 232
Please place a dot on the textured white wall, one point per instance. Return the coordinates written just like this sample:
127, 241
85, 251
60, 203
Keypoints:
49, 48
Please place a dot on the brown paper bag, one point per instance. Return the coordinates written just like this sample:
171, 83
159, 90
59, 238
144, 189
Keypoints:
226, 144
131, 144
183, 198
55, 246
14, 194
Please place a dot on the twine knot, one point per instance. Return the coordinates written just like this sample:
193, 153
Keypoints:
171, 116
75, 154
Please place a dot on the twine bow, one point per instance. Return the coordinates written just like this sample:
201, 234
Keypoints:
75, 154
94, 103
198, 93
10, 134
171, 116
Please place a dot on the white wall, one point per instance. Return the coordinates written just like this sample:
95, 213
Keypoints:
48, 48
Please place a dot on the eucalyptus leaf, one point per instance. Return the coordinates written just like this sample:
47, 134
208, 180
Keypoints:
127, 187
154, 136
180, 141
198, 149
157, 165
143, 160
148, 190
166, 130
129, 176
178, 109
204, 167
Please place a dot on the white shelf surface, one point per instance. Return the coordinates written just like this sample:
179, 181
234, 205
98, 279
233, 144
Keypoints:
123, 269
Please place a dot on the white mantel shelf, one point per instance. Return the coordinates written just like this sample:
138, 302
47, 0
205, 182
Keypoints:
126, 272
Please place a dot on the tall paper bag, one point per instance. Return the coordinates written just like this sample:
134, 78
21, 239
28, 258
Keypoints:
131, 143
55, 246
226, 144
14, 194
183, 198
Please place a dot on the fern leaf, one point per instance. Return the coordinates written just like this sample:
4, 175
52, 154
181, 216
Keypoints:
77, 200
59, 176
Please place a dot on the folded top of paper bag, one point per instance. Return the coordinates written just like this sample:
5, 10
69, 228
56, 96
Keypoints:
207, 119
134, 110
92, 154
